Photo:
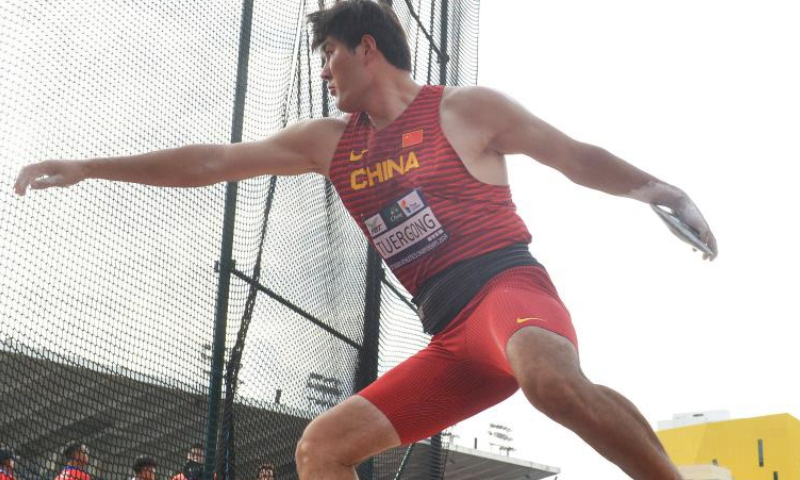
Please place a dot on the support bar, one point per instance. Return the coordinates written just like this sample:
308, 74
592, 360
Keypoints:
296, 309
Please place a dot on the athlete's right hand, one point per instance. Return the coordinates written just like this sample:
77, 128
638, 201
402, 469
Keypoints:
50, 173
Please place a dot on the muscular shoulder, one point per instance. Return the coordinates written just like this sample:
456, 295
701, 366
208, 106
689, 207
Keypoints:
483, 110
473, 116
317, 139
320, 129
475, 102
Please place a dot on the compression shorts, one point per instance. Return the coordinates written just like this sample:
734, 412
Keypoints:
464, 370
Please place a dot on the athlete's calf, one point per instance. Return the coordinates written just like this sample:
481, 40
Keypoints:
547, 369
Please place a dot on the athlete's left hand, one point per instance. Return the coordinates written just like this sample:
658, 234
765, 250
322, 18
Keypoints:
688, 212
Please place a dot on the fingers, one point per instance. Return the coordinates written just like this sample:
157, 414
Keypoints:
20, 186
24, 179
711, 242
37, 176
694, 219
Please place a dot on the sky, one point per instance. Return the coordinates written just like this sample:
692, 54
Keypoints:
704, 96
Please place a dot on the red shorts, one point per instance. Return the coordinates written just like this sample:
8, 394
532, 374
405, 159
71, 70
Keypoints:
464, 370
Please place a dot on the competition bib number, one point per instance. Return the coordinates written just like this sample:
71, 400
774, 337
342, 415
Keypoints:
405, 230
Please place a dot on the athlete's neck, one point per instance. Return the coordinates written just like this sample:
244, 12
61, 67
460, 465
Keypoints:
389, 98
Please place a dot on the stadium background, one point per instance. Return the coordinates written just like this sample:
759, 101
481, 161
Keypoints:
113, 294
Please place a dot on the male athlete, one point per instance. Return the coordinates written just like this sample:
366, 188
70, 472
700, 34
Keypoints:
421, 169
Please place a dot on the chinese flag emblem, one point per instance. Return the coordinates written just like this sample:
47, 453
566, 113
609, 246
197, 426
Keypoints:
412, 138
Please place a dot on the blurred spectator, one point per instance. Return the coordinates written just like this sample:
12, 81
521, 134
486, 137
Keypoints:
193, 468
144, 468
76, 455
8, 461
266, 472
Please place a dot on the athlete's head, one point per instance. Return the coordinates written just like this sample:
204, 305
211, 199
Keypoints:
76, 454
266, 472
358, 39
7, 459
196, 453
145, 467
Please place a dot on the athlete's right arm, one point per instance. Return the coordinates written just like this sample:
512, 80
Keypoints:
304, 147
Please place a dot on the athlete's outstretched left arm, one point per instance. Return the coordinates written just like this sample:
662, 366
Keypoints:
510, 129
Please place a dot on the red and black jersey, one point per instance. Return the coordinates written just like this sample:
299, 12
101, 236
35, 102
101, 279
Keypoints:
413, 197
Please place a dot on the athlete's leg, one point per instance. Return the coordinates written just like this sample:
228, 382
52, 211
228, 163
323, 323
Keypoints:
633, 411
547, 369
341, 438
434, 389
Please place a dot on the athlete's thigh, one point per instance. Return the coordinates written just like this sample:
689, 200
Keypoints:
437, 388
350, 432
514, 302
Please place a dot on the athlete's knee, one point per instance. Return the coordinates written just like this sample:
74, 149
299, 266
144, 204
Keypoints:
554, 393
315, 451
304, 454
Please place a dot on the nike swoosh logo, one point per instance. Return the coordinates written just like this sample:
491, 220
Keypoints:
354, 157
523, 320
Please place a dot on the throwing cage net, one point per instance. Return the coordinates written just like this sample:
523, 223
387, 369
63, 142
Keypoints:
140, 320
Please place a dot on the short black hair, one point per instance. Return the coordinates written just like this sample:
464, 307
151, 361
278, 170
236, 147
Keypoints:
197, 446
72, 448
6, 454
266, 466
143, 461
349, 20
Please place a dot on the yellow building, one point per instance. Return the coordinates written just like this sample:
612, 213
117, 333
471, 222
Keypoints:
761, 448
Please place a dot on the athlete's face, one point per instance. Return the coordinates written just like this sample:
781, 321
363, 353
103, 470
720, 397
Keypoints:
195, 455
82, 456
266, 474
345, 73
148, 473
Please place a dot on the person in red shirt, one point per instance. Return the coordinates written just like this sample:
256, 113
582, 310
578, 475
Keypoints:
8, 461
193, 468
422, 171
77, 457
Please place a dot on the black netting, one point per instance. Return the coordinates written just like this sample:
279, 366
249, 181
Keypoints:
108, 290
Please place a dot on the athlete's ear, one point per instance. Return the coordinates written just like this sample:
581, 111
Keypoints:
369, 47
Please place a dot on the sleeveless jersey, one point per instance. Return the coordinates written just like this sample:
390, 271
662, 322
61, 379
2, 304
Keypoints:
414, 199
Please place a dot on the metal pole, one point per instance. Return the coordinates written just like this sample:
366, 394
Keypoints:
226, 262
435, 463
445, 58
368, 354
435, 467
324, 86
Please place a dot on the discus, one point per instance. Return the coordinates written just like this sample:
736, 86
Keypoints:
681, 229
